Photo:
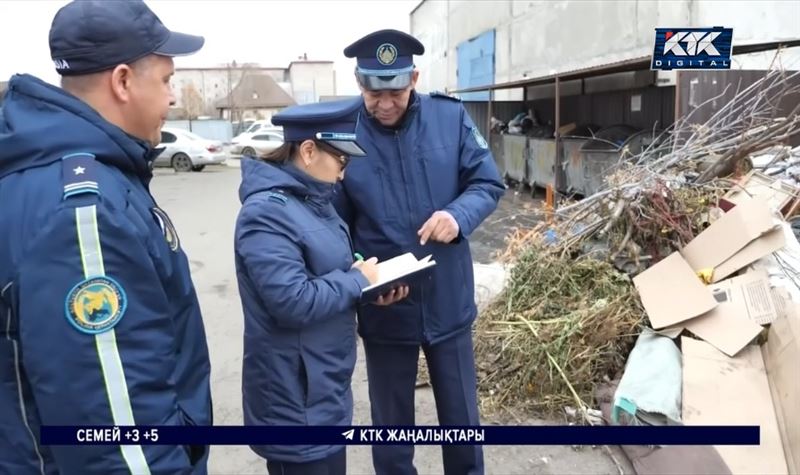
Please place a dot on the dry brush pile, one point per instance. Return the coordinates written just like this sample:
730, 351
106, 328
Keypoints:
569, 314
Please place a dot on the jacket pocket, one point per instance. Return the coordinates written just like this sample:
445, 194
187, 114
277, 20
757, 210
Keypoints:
440, 168
194, 452
389, 200
326, 370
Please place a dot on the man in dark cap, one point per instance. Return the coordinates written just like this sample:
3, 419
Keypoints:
100, 320
427, 182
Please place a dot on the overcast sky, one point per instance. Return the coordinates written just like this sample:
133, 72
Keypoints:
268, 32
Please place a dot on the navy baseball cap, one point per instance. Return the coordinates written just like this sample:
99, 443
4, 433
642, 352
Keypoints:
385, 59
89, 36
332, 122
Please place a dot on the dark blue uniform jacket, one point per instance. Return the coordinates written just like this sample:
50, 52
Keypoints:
299, 293
436, 160
99, 320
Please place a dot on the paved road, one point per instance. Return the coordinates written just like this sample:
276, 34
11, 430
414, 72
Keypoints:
203, 207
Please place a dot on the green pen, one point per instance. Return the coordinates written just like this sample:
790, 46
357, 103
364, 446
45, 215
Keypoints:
358, 257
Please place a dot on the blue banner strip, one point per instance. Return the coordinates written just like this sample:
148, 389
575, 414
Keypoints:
419, 435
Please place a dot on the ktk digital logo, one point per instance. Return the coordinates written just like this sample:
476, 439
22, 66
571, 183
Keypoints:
693, 48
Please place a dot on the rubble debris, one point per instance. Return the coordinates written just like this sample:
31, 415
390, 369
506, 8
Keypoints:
719, 198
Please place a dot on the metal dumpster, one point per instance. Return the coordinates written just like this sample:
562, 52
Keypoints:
572, 159
514, 153
602, 154
541, 162
496, 146
640, 141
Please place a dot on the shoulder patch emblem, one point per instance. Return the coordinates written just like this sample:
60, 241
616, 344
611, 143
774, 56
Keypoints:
277, 197
167, 228
96, 305
476, 134
78, 174
442, 95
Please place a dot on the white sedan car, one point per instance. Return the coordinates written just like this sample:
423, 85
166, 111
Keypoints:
185, 151
257, 144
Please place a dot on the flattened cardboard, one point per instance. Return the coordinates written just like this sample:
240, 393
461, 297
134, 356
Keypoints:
676, 460
751, 293
726, 332
670, 332
782, 360
782, 300
756, 184
743, 303
767, 244
670, 459
729, 235
671, 292
732, 391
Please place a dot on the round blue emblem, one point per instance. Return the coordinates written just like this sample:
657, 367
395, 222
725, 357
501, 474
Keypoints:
96, 305
167, 228
386, 54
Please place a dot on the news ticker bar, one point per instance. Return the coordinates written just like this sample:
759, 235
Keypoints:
416, 435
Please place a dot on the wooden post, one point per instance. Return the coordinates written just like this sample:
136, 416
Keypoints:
557, 159
489, 118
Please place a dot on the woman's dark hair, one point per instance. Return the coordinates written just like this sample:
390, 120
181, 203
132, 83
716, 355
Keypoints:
287, 151
282, 154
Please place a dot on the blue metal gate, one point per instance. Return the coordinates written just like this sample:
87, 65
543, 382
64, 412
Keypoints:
476, 65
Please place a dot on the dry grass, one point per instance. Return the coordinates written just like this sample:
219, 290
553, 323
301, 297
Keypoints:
560, 326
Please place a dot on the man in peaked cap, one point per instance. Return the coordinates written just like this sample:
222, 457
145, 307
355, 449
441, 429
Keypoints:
100, 320
428, 180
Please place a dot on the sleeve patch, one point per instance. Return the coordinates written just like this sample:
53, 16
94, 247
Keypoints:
96, 305
476, 134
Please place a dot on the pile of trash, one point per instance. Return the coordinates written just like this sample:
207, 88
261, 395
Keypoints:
524, 123
672, 296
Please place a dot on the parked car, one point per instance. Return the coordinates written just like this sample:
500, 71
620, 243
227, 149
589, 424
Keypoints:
185, 151
258, 127
257, 144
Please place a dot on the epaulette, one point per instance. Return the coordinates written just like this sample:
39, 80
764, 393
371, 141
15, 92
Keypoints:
79, 174
277, 196
444, 96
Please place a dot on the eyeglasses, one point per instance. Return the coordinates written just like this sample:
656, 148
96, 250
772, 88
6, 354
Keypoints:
343, 159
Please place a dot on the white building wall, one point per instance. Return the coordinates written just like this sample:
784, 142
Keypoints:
311, 80
537, 37
430, 21
755, 22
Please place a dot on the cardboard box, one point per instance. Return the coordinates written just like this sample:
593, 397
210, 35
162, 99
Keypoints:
735, 240
671, 291
781, 355
718, 390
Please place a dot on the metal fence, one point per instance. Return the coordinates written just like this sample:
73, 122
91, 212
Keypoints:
213, 129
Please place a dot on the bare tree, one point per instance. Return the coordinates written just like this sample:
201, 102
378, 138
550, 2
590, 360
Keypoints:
193, 103
236, 111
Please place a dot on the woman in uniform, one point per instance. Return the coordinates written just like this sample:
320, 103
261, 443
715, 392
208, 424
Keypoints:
300, 285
